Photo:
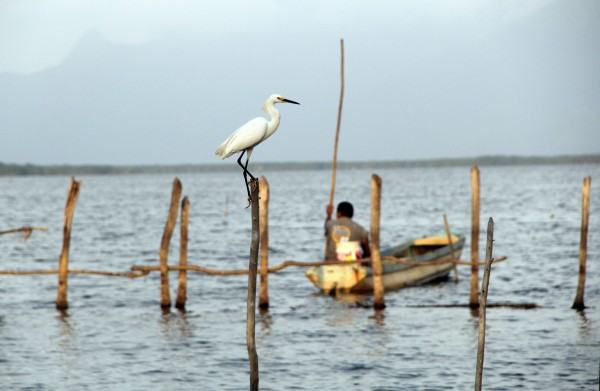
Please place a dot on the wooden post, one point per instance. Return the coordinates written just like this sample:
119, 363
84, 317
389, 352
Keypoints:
63, 263
251, 299
378, 293
183, 242
263, 301
482, 304
585, 214
474, 300
454, 257
165, 297
335, 147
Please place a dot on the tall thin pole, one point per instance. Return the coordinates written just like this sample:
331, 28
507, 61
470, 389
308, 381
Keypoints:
337, 137
474, 300
251, 299
183, 244
263, 300
165, 296
378, 290
585, 215
63, 265
483, 303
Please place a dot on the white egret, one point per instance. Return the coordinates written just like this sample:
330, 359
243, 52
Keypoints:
252, 133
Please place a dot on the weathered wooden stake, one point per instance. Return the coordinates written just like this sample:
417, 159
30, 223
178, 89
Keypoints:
63, 263
585, 215
378, 293
251, 299
165, 297
183, 242
454, 257
263, 300
474, 300
482, 304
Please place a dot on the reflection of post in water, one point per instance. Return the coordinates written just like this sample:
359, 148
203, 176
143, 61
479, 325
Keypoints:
65, 326
175, 323
266, 320
379, 318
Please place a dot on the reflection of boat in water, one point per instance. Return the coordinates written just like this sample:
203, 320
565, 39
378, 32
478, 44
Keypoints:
358, 278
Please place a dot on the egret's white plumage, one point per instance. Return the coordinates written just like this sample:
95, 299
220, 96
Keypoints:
252, 133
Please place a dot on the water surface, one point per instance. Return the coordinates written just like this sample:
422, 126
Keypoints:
115, 336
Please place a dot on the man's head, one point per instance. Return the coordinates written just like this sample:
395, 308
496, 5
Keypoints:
345, 209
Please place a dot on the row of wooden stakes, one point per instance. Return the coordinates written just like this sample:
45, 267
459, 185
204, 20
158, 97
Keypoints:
164, 268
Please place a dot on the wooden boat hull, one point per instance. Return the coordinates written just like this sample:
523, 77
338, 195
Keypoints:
355, 278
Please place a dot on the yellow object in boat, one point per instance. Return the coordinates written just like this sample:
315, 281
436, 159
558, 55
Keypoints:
435, 240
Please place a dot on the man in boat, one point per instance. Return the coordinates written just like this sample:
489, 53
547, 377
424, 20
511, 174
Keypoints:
346, 239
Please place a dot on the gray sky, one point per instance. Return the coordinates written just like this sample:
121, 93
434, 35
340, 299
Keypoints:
166, 81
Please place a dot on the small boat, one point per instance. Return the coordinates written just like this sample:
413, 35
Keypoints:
357, 277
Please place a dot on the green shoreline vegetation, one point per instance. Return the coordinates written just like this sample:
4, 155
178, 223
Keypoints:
31, 169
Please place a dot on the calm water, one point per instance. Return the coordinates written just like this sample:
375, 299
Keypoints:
115, 336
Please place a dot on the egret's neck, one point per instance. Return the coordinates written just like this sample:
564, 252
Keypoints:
274, 121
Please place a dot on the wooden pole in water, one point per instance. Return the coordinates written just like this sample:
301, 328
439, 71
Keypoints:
251, 299
263, 301
165, 297
183, 243
585, 214
474, 300
335, 147
482, 304
378, 291
63, 263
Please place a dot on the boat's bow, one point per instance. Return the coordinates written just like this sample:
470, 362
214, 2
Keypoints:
330, 278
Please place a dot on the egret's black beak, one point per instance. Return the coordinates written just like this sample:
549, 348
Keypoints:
290, 101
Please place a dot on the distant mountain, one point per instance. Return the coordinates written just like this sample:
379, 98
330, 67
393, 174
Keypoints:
529, 88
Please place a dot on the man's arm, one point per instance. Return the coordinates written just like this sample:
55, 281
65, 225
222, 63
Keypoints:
366, 249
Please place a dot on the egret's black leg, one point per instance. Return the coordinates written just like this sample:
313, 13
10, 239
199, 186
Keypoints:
245, 172
246, 169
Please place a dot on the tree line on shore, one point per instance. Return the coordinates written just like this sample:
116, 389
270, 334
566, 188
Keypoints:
7, 169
